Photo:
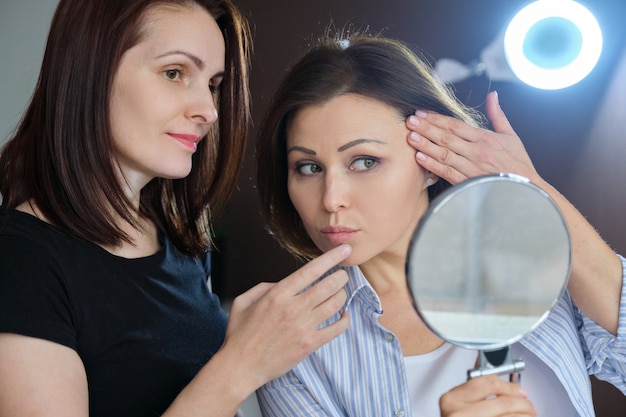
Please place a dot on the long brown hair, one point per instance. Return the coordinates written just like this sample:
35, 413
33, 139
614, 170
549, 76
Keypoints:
61, 156
380, 68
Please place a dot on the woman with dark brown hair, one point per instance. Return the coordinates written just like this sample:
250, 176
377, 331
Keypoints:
127, 152
335, 167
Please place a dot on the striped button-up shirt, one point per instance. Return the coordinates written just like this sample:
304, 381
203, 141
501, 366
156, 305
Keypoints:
361, 373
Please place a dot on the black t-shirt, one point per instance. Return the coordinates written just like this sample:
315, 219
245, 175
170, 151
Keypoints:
142, 327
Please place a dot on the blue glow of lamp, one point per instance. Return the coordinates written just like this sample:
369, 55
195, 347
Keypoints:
549, 44
552, 44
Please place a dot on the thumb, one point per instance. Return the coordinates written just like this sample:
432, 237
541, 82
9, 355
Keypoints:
496, 116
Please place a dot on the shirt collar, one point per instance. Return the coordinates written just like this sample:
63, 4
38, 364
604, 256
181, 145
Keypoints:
358, 286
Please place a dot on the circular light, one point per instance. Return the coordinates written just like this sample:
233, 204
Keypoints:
552, 44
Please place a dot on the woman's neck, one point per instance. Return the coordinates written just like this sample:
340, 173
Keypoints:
388, 278
385, 273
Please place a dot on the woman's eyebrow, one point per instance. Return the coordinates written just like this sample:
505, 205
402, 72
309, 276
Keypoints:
197, 61
302, 149
340, 149
358, 141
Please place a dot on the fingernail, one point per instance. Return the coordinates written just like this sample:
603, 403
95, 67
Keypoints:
421, 113
346, 249
414, 137
414, 120
420, 156
495, 93
523, 392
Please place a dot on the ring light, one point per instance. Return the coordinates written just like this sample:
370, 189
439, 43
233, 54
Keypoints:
552, 44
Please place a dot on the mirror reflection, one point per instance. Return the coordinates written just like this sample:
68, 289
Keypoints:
488, 261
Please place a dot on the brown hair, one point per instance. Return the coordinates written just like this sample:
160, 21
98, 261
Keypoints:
380, 68
61, 155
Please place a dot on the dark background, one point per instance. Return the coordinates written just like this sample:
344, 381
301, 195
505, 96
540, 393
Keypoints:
575, 136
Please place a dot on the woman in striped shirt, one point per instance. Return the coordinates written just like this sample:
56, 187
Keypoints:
334, 167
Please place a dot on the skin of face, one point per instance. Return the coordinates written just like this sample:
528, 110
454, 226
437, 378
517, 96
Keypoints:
163, 97
353, 177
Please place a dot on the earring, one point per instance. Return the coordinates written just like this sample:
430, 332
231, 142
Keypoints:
429, 181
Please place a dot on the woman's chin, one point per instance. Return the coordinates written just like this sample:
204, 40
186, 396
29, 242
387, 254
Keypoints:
353, 260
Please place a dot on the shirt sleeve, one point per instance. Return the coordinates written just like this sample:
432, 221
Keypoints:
605, 353
286, 397
34, 299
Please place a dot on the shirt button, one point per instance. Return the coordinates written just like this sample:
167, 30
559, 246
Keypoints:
399, 413
389, 338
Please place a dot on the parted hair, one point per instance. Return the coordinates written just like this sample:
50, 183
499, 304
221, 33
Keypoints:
61, 154
377, 67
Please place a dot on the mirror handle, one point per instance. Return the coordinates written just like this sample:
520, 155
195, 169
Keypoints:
498, 362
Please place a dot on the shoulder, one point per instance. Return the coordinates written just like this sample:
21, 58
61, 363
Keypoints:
29, 242
34, 295
36, 257
22, 235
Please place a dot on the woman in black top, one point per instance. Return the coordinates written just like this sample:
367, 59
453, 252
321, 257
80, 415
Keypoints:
127, 152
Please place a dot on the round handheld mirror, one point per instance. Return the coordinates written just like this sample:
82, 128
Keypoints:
487, 263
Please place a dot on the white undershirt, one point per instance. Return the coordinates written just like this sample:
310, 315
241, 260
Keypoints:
431, 375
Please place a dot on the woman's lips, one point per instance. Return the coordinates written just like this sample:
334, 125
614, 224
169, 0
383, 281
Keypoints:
190, 141
338, 235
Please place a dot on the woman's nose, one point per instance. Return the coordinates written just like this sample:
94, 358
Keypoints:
335, 194
202, 107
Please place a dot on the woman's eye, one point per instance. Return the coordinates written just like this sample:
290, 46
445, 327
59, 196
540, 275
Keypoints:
215, 84
364, 164
308, 169
172, 74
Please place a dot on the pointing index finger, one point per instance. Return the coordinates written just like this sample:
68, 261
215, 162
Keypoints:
306, 275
